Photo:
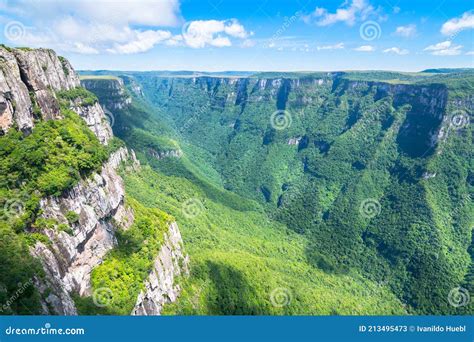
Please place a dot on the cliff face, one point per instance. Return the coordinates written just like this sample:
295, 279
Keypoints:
93, 210
110, 91
161, 287
72, 256
236, 98
29, 82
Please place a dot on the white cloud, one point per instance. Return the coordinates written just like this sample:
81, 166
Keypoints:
202, 33
331, 47
235, 29
175, 41
91, 27
397, 51
144, 41
144, 12
84, 49
445, 48
123, 27
365, 48
455, 25
439, 46
349, 12
470, 53
406, 31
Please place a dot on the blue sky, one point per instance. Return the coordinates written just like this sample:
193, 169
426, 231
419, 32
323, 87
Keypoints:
219, 35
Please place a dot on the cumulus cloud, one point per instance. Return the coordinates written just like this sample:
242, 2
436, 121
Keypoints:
202, 33
365, 48
396, 50
331, 47
144, 41
445, 48
406, 31
91, 27
349, 12
455, 25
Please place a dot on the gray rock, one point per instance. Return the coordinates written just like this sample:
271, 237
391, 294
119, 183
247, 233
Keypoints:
96, 120
161, 287
41, 73
70, 259
44, 73
15, 103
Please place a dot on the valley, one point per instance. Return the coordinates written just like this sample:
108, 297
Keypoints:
358, 165
316, 193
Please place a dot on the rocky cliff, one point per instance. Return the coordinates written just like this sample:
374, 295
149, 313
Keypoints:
161, 286
98, 203
110, 91
29, 82
83, 220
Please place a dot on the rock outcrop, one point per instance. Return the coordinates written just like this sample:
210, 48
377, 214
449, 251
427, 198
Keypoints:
96, 120
15, 102
161, 287
110, 91
165, 154
70, 258
44, 73
29, 80
83, 220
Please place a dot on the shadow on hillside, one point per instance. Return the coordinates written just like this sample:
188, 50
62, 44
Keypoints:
233, 294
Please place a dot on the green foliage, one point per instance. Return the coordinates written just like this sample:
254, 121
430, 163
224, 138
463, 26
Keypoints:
358, 140
46, 162
72, 217
126, 267
85, 97
18, 269
64, 65
239, 257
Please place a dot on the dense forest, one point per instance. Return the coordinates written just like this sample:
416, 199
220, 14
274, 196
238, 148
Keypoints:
322, 193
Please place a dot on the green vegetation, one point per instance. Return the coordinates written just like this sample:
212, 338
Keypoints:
357, 141
126, 267
239, 258
85, 97
72, 217
54, 157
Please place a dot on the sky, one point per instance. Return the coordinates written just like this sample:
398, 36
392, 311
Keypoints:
246, 35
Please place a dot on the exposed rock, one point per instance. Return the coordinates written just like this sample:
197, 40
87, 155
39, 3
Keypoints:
87, 216
110, 91
39, 73
165, 154
428, 175
161, 287
70, 259
44, 73
96, 120
15, 103
294, 141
